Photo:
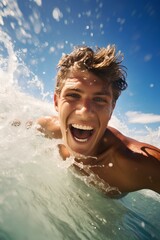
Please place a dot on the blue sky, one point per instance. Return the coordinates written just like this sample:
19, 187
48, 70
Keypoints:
42, 30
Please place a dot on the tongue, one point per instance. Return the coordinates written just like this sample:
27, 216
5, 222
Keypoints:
81, 134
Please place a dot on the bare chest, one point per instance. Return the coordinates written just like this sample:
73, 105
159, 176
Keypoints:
105, 176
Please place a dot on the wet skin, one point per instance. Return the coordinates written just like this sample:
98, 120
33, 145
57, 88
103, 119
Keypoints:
84, 107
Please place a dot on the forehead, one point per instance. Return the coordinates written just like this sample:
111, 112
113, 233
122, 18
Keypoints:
85, 79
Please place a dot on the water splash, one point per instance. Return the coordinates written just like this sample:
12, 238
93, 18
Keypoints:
8, 63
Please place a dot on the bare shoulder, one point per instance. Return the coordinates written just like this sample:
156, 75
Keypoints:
46, 120
49, 126
135, 145
138, 161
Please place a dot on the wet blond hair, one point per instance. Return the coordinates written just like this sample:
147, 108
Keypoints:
103, 62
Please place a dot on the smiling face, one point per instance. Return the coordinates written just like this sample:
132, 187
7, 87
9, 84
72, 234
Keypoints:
85, 105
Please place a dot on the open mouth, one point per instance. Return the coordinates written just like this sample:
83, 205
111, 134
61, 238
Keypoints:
81, 133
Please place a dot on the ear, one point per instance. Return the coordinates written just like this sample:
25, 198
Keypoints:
56, 101
113, 106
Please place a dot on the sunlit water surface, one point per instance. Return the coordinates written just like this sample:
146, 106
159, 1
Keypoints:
41, 197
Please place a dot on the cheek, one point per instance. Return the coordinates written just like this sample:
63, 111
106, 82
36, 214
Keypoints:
106, 114
63, 110
66, 107
107, 110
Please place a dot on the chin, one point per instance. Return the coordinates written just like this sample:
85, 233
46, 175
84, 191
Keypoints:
79, 150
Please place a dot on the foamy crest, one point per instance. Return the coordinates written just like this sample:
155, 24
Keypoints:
8, 63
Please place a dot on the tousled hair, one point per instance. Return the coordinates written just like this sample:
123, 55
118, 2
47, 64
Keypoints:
103, 62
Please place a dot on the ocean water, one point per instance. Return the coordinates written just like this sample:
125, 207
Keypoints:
41, 196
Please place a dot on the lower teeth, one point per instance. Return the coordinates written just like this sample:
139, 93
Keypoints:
81, 140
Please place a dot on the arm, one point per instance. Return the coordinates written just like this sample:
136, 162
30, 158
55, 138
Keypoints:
150, 172
138, 162
144, 165
49, 126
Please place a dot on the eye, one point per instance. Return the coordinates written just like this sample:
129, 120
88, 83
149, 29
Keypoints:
99, 100
73, 95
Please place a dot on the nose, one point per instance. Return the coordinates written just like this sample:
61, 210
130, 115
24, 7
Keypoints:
85, 107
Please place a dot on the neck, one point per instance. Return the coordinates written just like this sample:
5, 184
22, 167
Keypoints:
92, 159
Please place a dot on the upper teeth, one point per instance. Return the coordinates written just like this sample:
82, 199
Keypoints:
83, 127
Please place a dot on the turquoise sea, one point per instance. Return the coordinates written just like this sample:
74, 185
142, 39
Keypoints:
41, 197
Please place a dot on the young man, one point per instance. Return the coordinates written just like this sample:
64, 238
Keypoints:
88, 86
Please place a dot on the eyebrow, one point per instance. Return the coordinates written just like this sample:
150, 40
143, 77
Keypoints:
102, 93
